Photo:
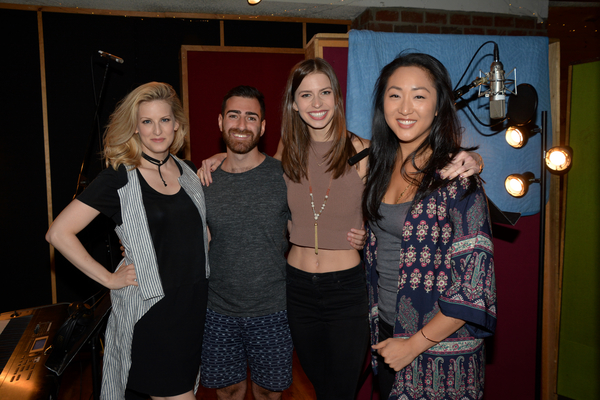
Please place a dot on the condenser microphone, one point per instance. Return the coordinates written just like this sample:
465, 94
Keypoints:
497, 88
111, 57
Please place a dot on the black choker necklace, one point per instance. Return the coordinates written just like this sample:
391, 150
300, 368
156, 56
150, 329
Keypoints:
157, 162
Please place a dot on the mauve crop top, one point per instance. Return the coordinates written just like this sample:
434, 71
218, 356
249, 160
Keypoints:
342, 211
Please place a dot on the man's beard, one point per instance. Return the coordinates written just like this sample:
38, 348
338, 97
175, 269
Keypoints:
237, 146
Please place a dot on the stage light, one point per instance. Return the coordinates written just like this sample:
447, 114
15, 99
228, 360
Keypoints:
559, 159
517, 185
517, 136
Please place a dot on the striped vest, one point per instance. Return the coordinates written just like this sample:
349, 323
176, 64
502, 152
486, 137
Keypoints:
130, 303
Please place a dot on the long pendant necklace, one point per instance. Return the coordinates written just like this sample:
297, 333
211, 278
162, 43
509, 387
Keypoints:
157, 162
312, 204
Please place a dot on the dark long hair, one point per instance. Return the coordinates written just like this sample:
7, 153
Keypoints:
444, 140
294, 132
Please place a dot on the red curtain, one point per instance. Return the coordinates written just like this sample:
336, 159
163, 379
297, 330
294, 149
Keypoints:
212, 74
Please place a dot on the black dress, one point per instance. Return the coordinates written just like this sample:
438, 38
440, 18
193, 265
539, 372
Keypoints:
167, 340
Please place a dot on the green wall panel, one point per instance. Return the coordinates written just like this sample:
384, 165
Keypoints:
579, 349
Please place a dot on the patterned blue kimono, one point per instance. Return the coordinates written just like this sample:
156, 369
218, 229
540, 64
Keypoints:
446, 263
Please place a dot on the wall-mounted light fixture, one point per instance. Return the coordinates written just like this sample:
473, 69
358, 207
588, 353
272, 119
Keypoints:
253, 2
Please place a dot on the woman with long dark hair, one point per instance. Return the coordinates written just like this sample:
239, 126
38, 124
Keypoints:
429, 257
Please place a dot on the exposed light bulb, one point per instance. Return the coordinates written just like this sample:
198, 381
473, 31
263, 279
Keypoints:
559, 159
515, 138
517, 185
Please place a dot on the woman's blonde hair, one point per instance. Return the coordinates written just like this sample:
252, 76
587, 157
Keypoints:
121, 143
294, 132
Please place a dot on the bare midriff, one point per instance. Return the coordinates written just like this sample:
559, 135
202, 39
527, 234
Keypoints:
305, 259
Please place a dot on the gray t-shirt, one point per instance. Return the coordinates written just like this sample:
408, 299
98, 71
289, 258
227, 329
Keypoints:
388, 231
247, 215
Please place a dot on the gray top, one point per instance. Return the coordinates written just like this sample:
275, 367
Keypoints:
247, 216
388, 231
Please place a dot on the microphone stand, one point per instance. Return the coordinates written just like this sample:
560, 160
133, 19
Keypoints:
458, 93
82, 183
82, 180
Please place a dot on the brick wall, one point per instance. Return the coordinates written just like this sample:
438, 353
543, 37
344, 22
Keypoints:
413, 20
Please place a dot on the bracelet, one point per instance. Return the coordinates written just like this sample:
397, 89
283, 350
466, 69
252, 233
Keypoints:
423, 333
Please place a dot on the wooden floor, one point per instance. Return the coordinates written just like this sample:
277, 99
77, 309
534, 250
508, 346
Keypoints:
301, 388
77, 383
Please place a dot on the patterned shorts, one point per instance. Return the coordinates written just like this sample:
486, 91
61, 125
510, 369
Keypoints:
231, 344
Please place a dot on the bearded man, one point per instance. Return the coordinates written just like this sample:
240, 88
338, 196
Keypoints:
247, 215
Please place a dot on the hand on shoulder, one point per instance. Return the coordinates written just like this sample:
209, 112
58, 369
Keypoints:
464, 164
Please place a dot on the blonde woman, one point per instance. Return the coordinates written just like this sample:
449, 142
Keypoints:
153, 347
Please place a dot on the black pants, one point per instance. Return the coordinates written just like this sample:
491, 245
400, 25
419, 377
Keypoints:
328, 316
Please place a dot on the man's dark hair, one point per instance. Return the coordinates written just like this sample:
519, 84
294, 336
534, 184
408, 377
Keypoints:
247, 92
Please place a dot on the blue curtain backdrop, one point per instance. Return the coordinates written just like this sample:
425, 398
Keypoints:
370, 51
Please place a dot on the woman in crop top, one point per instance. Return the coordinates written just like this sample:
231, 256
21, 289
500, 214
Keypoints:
326, 288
